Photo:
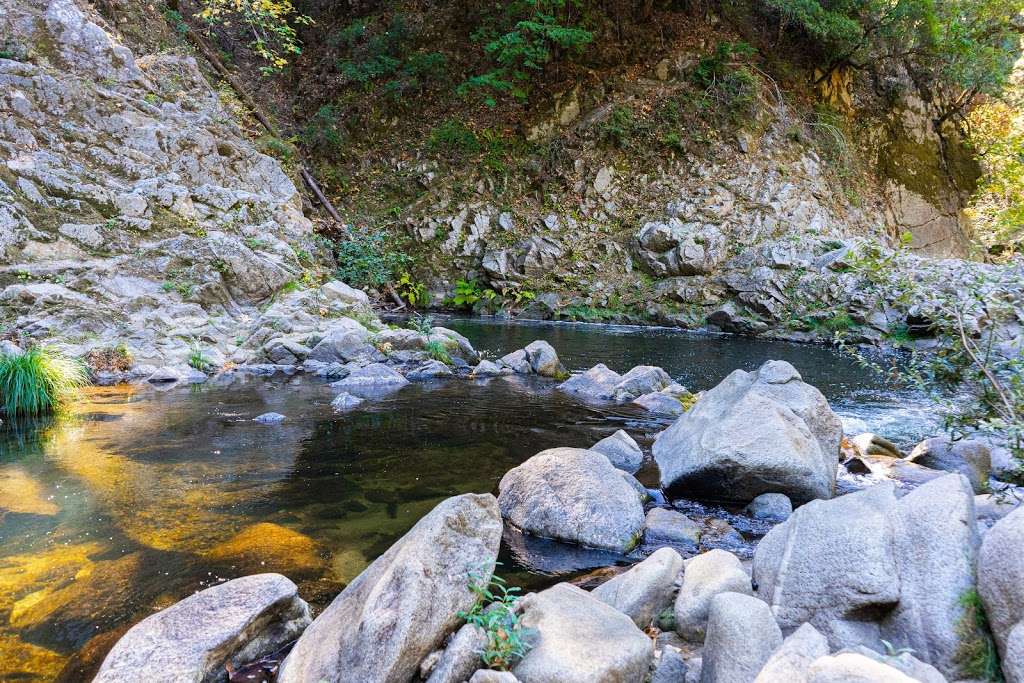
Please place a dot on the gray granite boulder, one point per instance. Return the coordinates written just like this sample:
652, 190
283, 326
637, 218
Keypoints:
968, 457
486, 368
621, 450
371, 377
431, 369
575, 495
642, 379
756, 432
851, 667
597, 383
673, 528
646, 589
704, 577
404, 604
517, 361
660, 403
770, 506
1001, 586
579, 639
235, 623
741, 637
345, 401
461, 656
790, 662
345, 341
544, 359
868, 566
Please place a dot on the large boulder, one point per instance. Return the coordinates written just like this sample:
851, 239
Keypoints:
641, 380
371, 378
741, 637
790, 662
621, 450
1001, 586
707, 575
646, 589
868, 566
575, 495
756, 432
579, 639
234, 623
601, 384
852, 667
970, 458
404, 604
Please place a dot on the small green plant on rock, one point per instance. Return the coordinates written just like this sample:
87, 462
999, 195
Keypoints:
495, 613
198, 360
437, 351
977, 654
40, 380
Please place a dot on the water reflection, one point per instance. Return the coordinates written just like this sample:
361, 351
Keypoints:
147, 494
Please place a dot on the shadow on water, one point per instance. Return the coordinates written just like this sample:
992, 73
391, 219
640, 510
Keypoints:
146, 494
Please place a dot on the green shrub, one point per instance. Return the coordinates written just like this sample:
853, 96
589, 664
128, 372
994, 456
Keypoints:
494, 612
198, 360
454, 137
323, 130
727, 81
369, 260
38, 381
618, 127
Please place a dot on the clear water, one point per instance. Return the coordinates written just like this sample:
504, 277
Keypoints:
146, 495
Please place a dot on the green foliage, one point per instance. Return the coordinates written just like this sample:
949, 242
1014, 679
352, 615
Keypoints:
977, 655
271, 23
414, 293
729, 83
437, 350
368, 259
968, 45
618, 127
198, 360
468, 292
382, 52
495, 613
521, 39
323, 131
38, 381
421, 323
454, 137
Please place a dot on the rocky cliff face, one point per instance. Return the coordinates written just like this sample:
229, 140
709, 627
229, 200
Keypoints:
132, 208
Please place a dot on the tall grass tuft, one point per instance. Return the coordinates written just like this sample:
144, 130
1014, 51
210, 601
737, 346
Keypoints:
38, 381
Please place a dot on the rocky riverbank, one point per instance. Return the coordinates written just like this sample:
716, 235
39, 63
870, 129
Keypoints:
889, 582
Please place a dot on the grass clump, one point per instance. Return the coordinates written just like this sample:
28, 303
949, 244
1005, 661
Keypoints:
38, 381
977, 655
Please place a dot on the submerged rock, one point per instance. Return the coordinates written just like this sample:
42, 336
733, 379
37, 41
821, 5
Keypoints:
670, 527
575, 495
345, 401
756, 432
269, 418
404, 604
621, 450
236, 622
579, 639
271, 545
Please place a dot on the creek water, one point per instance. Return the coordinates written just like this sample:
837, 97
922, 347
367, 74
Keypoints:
144, 495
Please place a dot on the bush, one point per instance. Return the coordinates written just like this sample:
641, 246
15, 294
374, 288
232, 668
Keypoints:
494, 612
38, 381
454, 137
368, 260
727, 80
271, 23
